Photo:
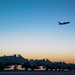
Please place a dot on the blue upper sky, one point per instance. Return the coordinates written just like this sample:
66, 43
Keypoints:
31, 27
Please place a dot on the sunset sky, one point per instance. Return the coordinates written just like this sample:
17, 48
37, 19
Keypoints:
30, 28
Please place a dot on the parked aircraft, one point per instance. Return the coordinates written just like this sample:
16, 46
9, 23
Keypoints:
30, 65
64, 23
35, 64
7, 61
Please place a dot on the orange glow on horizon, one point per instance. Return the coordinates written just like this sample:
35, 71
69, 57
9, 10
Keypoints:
53, 58
68, 58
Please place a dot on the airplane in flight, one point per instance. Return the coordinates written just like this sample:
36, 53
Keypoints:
64, 23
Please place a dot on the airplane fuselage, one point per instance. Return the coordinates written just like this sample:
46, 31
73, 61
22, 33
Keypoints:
64, 23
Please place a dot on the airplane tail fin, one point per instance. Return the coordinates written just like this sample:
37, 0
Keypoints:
59, 22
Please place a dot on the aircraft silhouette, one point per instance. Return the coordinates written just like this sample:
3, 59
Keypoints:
64, 23
7, 61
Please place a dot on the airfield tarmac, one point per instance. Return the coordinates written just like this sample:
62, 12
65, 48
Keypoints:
37, 73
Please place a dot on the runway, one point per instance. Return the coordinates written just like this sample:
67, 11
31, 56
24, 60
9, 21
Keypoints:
37, 73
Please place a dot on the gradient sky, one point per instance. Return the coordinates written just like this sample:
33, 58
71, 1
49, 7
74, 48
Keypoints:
30, 28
